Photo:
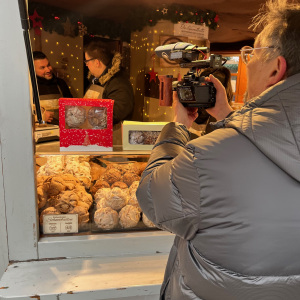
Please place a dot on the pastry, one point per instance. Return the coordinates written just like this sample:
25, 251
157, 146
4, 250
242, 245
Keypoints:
83, 215
106, 218
130, 177
132, 200
101, 203
129, 216
147, 222
96, 171
66, 201
53, 166
117, 199
99, 185
70, 181
142, 167
48, 211
136, 137
41, 196
102, 193
112, 175
84, 196
134, 168
97, 117
53, 185
115, 166
119, 184
150, 137
74, 116
133, 187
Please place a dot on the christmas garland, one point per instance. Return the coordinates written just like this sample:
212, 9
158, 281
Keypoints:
53, 19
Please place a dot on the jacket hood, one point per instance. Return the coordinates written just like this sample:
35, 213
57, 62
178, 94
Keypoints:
272, 122
110, 71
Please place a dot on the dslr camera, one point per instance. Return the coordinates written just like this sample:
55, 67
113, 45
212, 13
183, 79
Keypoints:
193, 90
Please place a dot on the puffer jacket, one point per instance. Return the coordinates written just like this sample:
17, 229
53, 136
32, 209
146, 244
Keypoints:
232, 198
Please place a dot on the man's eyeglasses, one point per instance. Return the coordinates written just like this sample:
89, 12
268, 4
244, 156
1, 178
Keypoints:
247, 53
87, 60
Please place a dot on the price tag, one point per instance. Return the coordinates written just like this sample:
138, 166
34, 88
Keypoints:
60, 223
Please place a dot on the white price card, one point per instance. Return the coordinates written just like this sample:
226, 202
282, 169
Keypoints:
67, 223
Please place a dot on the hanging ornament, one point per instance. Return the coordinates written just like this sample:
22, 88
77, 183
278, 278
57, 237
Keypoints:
69, 28
82, 29
152, 73
164, 11
36, 22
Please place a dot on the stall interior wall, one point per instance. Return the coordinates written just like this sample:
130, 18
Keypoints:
65, 54
144, 62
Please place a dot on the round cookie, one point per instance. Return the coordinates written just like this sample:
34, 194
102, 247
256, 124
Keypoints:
74, 116
129, 216
106, 218
97, 117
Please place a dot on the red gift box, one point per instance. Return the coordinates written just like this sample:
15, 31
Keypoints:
86, 124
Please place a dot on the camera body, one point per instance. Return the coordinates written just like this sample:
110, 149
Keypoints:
193, 90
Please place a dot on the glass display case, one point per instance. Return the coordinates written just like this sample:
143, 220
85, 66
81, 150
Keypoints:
100, 190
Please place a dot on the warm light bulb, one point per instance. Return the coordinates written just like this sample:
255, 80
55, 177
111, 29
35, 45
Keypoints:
46, 41
57, 43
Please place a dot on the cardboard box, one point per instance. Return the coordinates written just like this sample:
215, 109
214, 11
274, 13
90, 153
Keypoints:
140, 135
86, 124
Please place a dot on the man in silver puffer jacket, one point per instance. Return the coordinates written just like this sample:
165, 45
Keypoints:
232, 197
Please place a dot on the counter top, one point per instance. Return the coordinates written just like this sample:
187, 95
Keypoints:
102, 278
48, 148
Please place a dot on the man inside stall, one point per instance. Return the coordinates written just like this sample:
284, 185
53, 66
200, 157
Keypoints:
50, 87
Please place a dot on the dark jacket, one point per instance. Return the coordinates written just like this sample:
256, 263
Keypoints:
232, 197
53, 86
118, 88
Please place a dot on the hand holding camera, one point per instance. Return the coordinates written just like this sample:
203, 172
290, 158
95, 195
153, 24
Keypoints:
183, 115
222, 108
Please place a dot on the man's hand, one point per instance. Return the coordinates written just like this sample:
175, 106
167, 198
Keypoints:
222, 107
48, 116
184, 115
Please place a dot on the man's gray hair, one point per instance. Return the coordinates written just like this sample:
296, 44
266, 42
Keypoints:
280, 20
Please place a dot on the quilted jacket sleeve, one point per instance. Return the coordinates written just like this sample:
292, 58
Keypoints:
169, 190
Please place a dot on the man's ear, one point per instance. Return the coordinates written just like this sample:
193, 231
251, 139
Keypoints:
279, 70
